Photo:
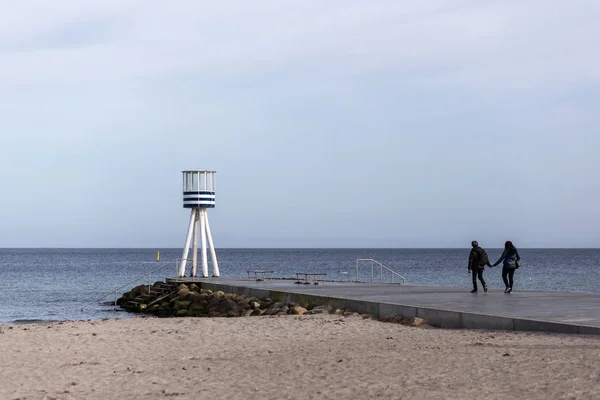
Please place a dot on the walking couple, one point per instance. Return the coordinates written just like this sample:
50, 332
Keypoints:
478, 259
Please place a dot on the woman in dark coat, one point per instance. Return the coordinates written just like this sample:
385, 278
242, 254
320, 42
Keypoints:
511, 259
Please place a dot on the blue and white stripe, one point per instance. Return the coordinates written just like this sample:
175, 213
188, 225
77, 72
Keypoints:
200, 198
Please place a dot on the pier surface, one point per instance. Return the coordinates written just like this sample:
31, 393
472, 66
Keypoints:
446, 307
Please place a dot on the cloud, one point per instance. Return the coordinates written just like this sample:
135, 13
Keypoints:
473, 43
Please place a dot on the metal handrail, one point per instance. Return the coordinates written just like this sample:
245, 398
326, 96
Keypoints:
381, 268
149, 274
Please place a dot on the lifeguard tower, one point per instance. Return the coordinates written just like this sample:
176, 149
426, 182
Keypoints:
199, 196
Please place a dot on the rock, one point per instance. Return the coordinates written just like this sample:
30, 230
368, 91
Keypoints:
297, 310
183, 286
247, 313
265, 303
182, 313
219, 294
324, 309
396, 319
182, 305
257, 312
254, 305
213, 302
271, 311
194, 288
182, 293
198, 307
351, 314
206, 291
238, 312
226, 305
279, 304
416, 322
366, 316
193, 297
339, 311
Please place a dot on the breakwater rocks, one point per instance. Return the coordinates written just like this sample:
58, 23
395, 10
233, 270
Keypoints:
191, 301
172, 300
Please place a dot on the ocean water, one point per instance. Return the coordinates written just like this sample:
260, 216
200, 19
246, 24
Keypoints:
69, 284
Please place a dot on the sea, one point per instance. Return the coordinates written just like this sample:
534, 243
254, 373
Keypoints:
45, 285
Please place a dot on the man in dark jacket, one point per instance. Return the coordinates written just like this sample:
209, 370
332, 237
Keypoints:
478, 259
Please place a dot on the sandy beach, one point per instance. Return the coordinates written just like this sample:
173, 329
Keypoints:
290, 357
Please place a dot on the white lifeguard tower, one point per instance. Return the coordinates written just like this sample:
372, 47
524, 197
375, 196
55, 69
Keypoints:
199, 195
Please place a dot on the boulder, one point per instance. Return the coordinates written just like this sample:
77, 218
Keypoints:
198, 307
226, 305
238, 312
416, 322
279, 304
182, 294
194, 288
351, 314
219, 294
257, 312
324, 309
206, 291
182, 313
297, 310
254, 305
396, 319
265, 303
182, 305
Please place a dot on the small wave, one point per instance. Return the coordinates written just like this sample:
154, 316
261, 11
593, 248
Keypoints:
30, 321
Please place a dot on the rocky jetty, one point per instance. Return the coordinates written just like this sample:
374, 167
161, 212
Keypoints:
183, 300
172, 300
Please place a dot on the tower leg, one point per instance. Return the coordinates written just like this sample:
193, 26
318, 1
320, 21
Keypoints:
195, 242
203, 242
213, 254
186, 248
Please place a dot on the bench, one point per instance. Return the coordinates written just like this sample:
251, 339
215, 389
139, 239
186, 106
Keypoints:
306, 281
266, 274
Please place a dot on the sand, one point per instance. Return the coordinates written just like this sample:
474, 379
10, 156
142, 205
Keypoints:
290, 357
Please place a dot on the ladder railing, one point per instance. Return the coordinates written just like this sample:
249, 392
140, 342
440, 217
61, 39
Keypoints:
147, 275
376, 264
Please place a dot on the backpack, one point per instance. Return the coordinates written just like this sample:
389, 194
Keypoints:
483, 257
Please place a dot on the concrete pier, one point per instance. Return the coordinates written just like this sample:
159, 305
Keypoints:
446, 307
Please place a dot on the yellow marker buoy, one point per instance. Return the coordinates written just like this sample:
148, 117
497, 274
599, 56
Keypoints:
158, 256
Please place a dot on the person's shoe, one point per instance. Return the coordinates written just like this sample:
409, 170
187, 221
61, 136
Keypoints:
485, 288
474, 291
507, 290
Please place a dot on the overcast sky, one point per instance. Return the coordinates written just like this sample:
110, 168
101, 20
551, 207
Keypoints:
347, 123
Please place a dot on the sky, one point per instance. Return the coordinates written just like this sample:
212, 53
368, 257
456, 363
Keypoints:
331, 123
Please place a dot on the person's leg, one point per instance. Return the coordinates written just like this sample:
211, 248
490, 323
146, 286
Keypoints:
511, 273
480, 276
474, 273
504, 274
